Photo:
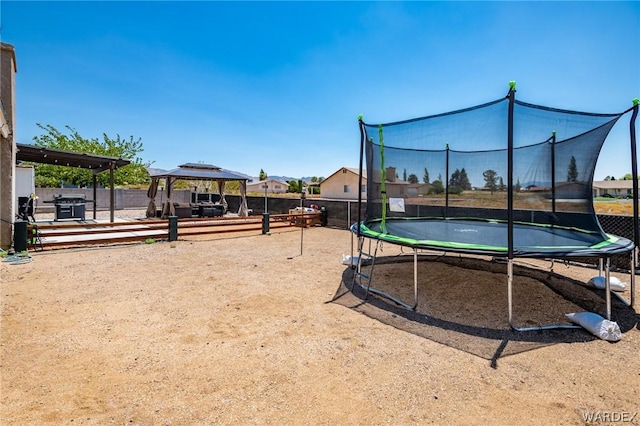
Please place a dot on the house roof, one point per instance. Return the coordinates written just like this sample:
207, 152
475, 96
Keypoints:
96, 163
261, 182
199, 171
353, 170
613, 184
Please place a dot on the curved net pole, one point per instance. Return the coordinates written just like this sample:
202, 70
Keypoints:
634, 177
512, 98
363, 138
446, 184
552, 139
383, 186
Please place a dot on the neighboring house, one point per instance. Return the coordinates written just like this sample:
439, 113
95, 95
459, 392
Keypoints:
418, 189
614, 188
273, 187
343, 185
313, 187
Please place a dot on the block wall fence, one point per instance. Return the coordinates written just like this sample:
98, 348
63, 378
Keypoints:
340, 213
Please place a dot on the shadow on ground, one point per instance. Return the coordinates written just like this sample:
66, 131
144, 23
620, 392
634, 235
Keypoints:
462, 303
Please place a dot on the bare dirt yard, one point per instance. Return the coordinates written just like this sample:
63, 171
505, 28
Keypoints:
264, 329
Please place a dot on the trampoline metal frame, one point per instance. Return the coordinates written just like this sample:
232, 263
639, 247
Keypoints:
358, 276
632, 279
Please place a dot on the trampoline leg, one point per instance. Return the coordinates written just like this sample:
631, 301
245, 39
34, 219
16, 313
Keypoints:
415, 279
510, 301
607, 287
352, 236
510, 290
632, 278
600, 267
632, 282
359, 276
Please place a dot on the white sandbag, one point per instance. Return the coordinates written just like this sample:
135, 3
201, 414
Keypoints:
603, 328
353, 261
614, 283
348, 260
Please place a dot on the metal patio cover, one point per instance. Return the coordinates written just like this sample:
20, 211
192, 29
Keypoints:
95, 163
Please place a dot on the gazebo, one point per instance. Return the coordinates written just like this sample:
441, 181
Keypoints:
195, 171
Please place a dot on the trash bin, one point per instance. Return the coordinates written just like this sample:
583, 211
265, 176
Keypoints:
20, 235
173, 228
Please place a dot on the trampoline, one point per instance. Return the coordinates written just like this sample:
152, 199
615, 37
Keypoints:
505, 179
489, 237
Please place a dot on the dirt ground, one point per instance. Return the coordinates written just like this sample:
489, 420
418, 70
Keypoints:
264, 329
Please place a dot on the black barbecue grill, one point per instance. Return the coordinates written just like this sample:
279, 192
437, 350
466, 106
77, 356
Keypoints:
69, 206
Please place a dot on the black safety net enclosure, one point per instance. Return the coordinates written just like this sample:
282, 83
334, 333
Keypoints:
502, 178
507, 179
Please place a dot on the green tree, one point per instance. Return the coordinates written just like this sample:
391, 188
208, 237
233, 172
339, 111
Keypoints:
314, 189
404, 175
295, 186
464, 180
413, 178
460, 181
454, 179
52, 176
572, 171
425, 177
262, 175
490, 179
437, 187
625, 177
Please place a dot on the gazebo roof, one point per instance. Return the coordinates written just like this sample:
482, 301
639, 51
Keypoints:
199, 171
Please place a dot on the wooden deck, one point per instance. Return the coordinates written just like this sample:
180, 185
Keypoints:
48, 234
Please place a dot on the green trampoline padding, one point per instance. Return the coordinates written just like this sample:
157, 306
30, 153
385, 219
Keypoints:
490, 237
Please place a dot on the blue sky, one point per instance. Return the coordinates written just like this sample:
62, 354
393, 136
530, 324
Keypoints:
278, 86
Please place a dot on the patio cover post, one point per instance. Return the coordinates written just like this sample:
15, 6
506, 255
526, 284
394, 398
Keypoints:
112, 195
95, 194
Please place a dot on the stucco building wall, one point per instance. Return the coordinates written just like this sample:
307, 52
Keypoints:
8, 69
